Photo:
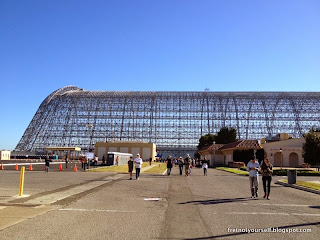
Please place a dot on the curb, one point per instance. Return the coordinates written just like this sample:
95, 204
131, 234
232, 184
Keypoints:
298, 187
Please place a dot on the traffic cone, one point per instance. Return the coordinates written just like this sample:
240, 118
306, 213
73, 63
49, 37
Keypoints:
30, 167
16, 167
75, 168
60, 168
1, 168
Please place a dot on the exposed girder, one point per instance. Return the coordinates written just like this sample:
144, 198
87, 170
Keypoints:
171, 120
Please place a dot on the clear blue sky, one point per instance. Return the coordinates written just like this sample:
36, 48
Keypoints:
162, 45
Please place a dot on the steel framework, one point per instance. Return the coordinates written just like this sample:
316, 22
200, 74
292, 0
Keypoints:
174, 121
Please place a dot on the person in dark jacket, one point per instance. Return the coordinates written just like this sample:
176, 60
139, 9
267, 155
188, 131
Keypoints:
180, 163
169, 165
67, 160
130, 167
47, 161
266, 171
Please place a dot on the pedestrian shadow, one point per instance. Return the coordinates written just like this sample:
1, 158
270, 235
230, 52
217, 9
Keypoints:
216, 201
316, 207
277, 229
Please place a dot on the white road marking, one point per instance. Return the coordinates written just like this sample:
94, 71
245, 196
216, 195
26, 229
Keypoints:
95, 210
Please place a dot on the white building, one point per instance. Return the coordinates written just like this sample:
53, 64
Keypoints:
5, 155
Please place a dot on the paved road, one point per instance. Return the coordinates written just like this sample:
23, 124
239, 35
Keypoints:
82, 205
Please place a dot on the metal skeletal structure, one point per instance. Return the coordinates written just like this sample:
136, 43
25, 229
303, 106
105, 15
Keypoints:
174, 121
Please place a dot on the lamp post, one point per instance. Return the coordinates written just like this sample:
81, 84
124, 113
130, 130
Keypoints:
280, 150
214, 153
89, 126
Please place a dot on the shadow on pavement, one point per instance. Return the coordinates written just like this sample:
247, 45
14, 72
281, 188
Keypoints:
271, 228
316, 207
217, 201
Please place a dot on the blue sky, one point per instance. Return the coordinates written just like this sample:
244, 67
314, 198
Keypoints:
162, 45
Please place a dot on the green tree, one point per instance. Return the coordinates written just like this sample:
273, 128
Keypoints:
226, 135
206, 141
311, 148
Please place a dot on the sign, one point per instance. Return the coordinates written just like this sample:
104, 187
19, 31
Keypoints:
89, 155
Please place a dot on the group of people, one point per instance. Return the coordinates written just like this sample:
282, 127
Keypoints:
138, 163
265, 168
187, 163
253, 167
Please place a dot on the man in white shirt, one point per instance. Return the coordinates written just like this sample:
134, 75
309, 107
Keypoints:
253, 168
138, 162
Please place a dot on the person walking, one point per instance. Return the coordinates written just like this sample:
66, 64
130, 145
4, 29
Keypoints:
253, 168
266, 171
96, 161
169, 165
103, 159
138, 162
205, 167
85, 163
47, 161
180, 163
82, 162
66, 160
130, 167
187, 162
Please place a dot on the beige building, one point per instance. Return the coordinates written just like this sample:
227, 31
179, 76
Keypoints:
5, 155
146, 150
222, 154
285, 153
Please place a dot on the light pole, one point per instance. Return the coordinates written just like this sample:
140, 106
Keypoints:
214, 153
280, 150
89, 126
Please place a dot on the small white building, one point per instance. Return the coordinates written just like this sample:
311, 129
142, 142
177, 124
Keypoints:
146, 150
5, 155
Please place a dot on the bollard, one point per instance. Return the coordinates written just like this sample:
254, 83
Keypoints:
21, 181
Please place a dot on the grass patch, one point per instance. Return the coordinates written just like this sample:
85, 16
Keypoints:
312, 185
124, 168
159, 168
283, 172
232, 170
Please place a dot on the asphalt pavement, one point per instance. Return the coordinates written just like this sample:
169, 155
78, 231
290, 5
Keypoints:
92, 205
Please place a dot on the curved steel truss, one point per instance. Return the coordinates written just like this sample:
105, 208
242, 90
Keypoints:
174, 121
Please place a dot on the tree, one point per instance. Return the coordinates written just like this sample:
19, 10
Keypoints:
226, 135
206, 141
311, 148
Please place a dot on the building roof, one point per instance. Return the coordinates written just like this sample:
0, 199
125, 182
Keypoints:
211, 148
62, 149
241, 145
